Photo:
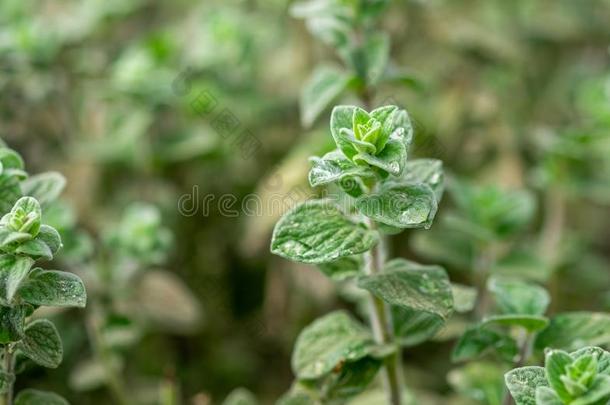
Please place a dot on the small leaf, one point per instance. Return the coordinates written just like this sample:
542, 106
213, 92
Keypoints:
391, 159
35, 397
518, 297
53, 288
5, 380
11, 323
318, 232
13, 270
412, 286
598, 393
352, 379
42, 344
464, 297
531, 323
422, 171
36, 248
341, 118
44, 187
602, 357
325, 84
331, 340
25, 216
546, 396
50, 237
333, 167
477, 341
555, 365
409, 206
523, 382
573, 330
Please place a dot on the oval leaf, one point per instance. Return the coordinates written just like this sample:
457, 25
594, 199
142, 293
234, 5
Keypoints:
42, 344
53, 288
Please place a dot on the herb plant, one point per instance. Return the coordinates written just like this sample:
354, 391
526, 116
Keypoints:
26, 240
336, 356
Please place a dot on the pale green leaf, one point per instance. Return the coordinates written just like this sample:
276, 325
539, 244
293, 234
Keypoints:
330, 340
318, 232
531, 323
573, 330
377, 54
426, 171
412, 286
598, 393
341, 118
408, 206
333, 167
391, 159
522, 383
13, 270
53, 288
518, 297
602, 357
555, 364
44, 187
546, 396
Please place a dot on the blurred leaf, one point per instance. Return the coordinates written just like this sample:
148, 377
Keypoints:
44, 187
531, 323
480, 381
572, 330
514, 297
325, 84
477, 341
35, 397
464, 297
344, 268
240, 396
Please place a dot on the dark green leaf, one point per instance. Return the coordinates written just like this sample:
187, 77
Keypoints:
344, 268
53, 288
333, 167
13, 269
42, 344
518, 297
412, 327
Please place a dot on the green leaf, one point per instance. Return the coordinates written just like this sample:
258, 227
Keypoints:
555, 365
50, 237
412, 286
391, 159
518, 297
422, 171
35, 397
480, 381
572, 330
409, 206
44, 187
36, 248
478, 341
531, 323
352, 379
546, 396
13, 270
240, 396
333, 339
412, 327
11, 323
341, 118
53, 288
344, 268
325, 84
464, 297
602, 357
318, 232
333, 167
24, 217
598, 393
377, 54
296, 397
522, 383
42, 344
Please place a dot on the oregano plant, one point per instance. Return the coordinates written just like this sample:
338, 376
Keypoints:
337, 357
25, 241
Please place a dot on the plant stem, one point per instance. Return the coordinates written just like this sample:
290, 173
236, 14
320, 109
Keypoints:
9, 368
482, 264
103, 356
381, 323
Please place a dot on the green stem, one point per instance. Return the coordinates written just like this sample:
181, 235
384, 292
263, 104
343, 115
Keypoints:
102, 354
9, 369
381, 323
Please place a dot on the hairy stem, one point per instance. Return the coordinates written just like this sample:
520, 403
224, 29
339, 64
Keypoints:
9, 369
381, 323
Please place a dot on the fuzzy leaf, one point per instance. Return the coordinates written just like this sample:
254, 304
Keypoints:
328, 341
240, 396
341, 118
342, 269
477, 341
333, 167
555, 365
391, 159
426, 171
409, 206
412, 327
412, 286
325, 84
352, 379
546, 396
53, 288
42, 344
13, 270
44, 187
522, 383
11, 323
318, 232
598, 393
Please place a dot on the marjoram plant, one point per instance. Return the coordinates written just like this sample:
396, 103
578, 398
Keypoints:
337, 357
24, 241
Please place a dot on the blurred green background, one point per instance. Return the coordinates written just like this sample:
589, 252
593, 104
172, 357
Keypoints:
192, 108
